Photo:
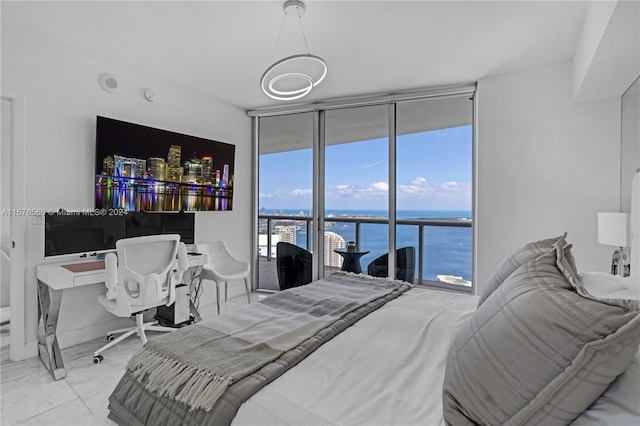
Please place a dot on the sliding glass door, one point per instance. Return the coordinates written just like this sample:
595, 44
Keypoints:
434, 155
392, 174
356, 184
285, 189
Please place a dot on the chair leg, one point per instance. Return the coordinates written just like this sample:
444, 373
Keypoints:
140, 328
218, 296
115, 341
154, 327
246, 286
226, 290
120, 330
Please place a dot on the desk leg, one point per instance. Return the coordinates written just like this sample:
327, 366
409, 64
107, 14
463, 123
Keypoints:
49, 309
194, 290
194, 312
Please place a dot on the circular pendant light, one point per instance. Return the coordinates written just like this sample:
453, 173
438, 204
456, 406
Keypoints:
295, 76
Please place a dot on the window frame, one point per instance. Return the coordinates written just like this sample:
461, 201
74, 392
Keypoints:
319, 109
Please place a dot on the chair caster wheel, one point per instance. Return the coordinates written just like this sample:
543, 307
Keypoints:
110, 337
97, 359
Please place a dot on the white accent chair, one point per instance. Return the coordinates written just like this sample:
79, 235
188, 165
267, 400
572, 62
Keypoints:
142, 276
223, 267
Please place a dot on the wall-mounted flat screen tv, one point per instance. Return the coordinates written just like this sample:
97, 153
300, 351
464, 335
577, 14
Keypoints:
78, 233
144, 168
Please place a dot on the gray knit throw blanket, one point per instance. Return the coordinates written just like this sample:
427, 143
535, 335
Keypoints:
196, 364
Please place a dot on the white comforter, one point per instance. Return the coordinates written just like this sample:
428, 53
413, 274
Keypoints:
386, 369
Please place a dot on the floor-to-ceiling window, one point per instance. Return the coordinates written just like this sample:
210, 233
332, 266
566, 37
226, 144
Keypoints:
285, 188
434, 157
387, 174
356, 183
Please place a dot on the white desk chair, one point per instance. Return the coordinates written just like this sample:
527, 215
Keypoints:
143, 275
223, 267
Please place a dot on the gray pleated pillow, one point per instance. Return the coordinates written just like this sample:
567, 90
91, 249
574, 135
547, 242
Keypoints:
519, 257
539, 350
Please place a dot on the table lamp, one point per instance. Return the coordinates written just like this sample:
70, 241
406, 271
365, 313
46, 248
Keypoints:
613, 231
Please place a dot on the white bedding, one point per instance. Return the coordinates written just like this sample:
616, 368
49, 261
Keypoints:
619, 405
384, 370
399, 374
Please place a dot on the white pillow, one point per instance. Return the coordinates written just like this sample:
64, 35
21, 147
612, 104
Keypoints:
607, 286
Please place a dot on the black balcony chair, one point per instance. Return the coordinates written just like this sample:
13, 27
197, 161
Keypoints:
405, 265
294, 265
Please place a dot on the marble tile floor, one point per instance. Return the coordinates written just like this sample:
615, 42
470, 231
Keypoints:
30, 396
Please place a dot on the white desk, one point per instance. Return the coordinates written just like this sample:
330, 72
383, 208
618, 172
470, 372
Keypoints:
53, 279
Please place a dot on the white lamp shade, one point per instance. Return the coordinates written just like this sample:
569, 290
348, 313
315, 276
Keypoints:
613, 229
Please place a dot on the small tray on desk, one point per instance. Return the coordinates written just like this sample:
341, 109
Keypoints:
85, 266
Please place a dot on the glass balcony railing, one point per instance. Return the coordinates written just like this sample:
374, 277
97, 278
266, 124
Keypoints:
443, 246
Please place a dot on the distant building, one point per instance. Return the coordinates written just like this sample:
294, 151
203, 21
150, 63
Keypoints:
193, 170
452, 279
332, 241
225, 177
174, 169
129, 167
287, 233
107, 166
157, 168
262, 245
207, 169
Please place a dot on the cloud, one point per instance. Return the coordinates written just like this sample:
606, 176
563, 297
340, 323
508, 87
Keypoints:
380, 186
419, 192
376, 190
298, 192
421, 188
366, 166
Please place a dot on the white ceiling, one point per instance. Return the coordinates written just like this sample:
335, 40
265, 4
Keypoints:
221, 48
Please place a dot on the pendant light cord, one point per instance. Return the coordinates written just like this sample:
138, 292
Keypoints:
279, 35
295, 76
304, 37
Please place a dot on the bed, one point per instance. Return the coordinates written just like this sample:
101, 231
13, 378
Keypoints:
542, 344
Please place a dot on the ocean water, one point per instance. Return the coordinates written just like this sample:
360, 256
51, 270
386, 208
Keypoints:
447, 250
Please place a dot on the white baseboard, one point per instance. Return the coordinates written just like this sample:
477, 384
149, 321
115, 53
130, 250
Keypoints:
95, 331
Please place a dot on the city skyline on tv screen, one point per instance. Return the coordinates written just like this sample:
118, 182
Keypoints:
145, 168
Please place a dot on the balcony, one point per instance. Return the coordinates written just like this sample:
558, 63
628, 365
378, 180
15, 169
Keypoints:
267, 223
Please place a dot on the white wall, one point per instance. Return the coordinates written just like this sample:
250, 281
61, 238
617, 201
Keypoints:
607, 56
63, 99
546, 165
630, 143
5, 199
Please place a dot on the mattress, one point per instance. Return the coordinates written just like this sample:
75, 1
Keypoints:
386, 369
389, 369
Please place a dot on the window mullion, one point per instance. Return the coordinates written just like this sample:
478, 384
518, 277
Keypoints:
392, 191
318, 193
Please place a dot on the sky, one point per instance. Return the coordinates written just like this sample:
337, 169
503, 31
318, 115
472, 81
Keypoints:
433, 172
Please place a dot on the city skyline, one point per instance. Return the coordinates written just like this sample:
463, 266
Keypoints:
197, 170
137, 141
